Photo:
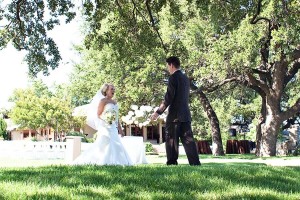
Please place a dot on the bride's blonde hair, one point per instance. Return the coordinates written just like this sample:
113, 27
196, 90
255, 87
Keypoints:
104, 88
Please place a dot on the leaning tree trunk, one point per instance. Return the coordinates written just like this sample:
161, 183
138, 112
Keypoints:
214, 123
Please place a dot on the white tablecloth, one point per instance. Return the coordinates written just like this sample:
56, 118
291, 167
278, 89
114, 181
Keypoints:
135, 148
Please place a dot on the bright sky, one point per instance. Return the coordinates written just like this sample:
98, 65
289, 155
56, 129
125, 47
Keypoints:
14, 70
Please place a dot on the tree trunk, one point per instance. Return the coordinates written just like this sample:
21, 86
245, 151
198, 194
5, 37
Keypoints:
262, 120
258, 138
214, 123
270, 132
271, 127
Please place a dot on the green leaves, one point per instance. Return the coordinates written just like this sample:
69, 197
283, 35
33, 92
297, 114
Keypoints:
26, 23
3, 126
217, 41
37, 107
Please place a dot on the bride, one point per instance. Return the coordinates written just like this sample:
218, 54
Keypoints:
103, 117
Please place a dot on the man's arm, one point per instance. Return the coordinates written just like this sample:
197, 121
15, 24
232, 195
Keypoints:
169, 96
120, 130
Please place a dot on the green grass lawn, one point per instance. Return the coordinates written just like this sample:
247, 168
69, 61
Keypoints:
153, 181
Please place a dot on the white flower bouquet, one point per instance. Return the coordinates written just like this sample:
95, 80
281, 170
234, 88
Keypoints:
110, 116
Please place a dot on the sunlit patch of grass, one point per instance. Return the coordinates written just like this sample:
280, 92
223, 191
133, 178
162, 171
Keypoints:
230, 156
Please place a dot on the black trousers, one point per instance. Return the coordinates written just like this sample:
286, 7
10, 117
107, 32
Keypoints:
182, 130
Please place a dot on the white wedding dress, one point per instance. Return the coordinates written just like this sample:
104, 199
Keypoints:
107, 148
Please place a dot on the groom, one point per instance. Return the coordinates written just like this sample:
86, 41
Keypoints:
178, 122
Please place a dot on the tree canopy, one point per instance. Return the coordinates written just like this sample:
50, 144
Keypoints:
36, 107
243, 43
251, 43
26, 24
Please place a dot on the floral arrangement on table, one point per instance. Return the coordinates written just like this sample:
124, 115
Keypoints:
110, 116
140, 116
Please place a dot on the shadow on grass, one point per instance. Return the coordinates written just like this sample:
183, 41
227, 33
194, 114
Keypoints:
213, 180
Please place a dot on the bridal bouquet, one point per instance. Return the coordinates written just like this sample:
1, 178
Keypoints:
110, 116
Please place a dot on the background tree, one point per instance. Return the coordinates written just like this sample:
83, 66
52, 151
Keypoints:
3, 127
36, 108
262, 53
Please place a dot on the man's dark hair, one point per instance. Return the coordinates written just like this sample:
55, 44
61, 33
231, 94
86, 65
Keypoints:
173, 60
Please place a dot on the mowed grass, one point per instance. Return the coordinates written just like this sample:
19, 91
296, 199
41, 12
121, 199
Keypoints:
152, 181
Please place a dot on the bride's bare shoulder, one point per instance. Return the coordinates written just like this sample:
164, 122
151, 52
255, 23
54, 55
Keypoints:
107, 101
103, 102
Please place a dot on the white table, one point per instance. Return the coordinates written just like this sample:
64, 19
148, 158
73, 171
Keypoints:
135, 147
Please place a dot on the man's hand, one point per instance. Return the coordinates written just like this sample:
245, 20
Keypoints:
154, 116
120, 131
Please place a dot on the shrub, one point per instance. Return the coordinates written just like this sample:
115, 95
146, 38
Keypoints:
297, 151
83, 139
3, 127
149, 147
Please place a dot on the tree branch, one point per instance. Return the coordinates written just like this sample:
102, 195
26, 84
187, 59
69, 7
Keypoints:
253, 87
137, 10
213, 88
292, 110
255, 18
152, 21
296, 54
18, 18
154, 26
258, 83
266, 42
263, 73
292, 72
19, 2
196, 89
